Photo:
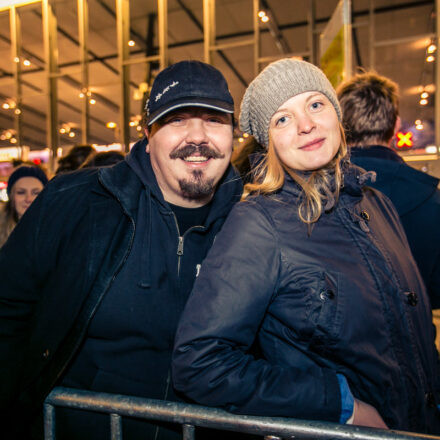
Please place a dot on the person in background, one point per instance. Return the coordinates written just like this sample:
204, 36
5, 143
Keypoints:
74, 159
315, 267
24, 185
370, 108
103, 159
245, 157
96, 276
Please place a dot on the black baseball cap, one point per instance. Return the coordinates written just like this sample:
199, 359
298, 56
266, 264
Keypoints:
188, 84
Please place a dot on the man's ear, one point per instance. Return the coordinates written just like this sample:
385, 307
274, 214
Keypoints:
147, 135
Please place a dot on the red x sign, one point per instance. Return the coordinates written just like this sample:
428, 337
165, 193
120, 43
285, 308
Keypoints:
404, 139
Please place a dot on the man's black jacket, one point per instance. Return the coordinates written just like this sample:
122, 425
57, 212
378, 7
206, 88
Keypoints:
65, 253
417, 200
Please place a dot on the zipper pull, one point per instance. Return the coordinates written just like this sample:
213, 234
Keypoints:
180, 246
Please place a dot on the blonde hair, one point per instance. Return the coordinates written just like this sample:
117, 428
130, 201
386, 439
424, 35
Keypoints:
321, 185
8, 221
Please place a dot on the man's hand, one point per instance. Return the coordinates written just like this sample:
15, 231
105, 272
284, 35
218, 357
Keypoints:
366, 415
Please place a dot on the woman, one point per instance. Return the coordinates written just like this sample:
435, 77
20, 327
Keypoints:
24, 185
316, 269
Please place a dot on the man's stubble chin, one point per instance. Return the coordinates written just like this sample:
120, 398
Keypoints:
197, 187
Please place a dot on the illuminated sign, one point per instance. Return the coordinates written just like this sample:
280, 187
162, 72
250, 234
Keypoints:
404, 139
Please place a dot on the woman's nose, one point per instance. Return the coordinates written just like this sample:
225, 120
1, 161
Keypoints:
305, 124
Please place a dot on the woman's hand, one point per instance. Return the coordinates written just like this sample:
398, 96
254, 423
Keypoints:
366, 415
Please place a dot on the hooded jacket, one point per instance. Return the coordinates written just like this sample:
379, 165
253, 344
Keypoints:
417, 201
346, 299
63, 259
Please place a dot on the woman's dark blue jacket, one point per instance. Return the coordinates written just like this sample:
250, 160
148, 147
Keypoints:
346, 299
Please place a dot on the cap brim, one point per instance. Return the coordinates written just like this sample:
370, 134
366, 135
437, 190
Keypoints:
211, 104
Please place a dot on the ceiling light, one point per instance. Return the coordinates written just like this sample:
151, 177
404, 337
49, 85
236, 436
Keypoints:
5, 105
423, 102
424, 95
111, 124
261, 14
430, 58
431, 149
81, 95
26, 62
17, 111
431, 48
92, 101
16, 59
8, 135
240, 139
245, 135
72, 134
138, 128
265, 19
131, 43
132, 123
13, 140
62, 130
418, 122
419, 126
89, 93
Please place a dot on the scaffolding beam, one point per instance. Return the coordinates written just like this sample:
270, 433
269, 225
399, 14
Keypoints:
51, 67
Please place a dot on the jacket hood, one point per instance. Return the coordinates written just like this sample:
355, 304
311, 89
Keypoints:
405, 186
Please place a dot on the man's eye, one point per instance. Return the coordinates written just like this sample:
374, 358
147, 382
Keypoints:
215, 120
175, 120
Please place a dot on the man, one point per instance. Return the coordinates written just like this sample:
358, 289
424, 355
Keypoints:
370, 107
96, 274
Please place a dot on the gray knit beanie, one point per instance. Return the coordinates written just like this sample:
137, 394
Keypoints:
278, 82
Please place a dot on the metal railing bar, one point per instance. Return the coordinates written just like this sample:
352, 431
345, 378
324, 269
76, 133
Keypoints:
188, 432
115, 427
181, 413
49, 422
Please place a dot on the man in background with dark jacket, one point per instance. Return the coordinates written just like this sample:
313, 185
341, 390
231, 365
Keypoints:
95, 276
370, 107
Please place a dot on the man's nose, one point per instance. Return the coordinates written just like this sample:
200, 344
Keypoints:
196, 133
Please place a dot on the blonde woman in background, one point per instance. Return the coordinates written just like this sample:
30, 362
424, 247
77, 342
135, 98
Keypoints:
24, 185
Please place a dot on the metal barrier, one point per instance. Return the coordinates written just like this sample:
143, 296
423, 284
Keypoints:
192, 416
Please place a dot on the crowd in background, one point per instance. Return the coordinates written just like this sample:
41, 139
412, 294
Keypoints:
28, 179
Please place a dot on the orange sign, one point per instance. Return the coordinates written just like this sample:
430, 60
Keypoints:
404, 139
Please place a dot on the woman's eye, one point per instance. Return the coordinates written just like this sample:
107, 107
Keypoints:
316, 105
282, 120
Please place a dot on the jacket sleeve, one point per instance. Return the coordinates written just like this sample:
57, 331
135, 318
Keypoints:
226, 310
21, 274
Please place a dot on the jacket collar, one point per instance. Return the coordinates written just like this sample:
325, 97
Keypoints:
354, 179
407, 187
377, 151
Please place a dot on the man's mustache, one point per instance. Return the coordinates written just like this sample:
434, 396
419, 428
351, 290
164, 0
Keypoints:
190, 149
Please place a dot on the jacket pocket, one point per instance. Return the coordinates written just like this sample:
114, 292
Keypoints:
326, 311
